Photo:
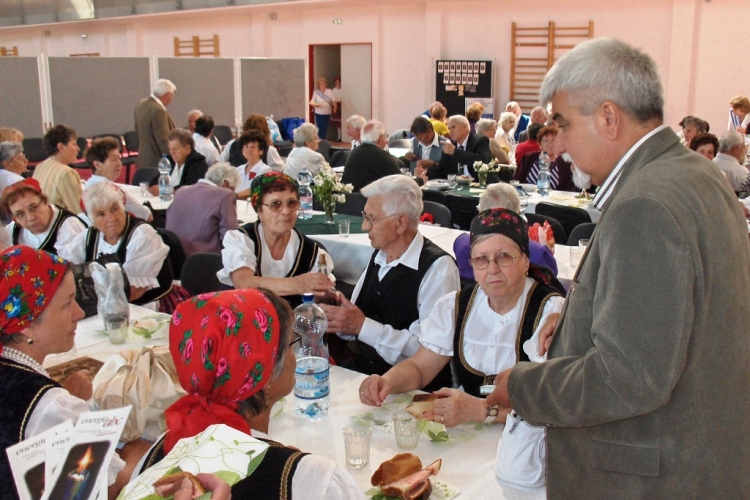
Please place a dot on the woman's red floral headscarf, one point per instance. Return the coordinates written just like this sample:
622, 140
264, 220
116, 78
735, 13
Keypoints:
224, 346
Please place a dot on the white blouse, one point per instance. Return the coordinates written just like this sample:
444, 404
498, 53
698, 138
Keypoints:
273, 158
146, 254
246, 176
206, 147
301, 157
489, 337
239, 252
69, 229
131, 204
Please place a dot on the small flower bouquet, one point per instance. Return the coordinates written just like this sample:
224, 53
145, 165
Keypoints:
483, 169
328, 190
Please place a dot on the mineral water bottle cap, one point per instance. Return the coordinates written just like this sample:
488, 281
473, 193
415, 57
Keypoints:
307, 298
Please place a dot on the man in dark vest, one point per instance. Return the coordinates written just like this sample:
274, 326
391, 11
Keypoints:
406, 275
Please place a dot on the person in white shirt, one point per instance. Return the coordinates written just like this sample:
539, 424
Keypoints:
504, 134
739, 114
324, 104
731, 154
406, 276
354, 126
204, 127
253, 145
12, 163
103, 156
305, 153
232, 154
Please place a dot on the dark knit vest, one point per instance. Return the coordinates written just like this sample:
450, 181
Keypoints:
393, 301
20, 390
49, 244
272, 480
470, 378
131, 223
307, 254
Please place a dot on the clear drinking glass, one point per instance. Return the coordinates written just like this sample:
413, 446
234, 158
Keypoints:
144, 189
344, 228
575, 255
452, 181
405, 428
117, 328
357, 444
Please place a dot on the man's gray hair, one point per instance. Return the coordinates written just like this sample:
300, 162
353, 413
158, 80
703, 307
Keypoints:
220, 172
730, 140
606, 69
401, 195
163, 87
506, 117
458, 119
8, 150
372, 132
357, 121
102, 195
500, 195
484, 124
305, 133
195, 112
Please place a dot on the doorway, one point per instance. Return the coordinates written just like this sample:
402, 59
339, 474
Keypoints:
353, 64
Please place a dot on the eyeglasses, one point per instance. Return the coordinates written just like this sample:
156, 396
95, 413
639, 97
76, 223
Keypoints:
276, 205
297, 338
32, 210
501, 260
372, 221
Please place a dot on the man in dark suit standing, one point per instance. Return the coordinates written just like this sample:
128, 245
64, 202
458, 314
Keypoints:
370, 161
645, 389
460, 153
153, 124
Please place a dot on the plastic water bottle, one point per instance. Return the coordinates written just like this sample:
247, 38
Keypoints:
542, 183
305, 195
165, 182
311, 386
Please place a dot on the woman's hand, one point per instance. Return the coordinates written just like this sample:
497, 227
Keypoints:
313, 282
373, 390
456, 407
79, 384
136, 292
218, 488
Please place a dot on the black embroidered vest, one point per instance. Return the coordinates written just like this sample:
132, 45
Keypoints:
48, 245
307, 255
393, 301
470, 378
272, 480
20, 390
131, 223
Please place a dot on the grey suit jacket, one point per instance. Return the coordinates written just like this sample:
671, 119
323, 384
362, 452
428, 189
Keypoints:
153, 124
646, 389
435, 153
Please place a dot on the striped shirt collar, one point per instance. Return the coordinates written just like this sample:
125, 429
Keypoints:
609, 184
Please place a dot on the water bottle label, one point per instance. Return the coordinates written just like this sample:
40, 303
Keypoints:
312, 385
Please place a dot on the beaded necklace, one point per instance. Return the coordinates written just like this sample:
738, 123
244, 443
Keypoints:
24, 359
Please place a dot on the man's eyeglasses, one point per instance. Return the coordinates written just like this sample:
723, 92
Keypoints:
501, 260
372, 221
296, 338
275, 205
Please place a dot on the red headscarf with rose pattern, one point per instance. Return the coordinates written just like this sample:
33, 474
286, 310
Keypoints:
224, 346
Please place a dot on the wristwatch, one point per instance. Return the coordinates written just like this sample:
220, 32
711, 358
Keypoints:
491, 414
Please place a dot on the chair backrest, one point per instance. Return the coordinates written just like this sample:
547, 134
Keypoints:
144, 175
440, 213
34, 150
561, 238
399, 143
176, 252
399, 134
354, 204
131, 141
569, 217
223, 133
581, 232
199, 273
284, 151
339, 158
83, 145
434, 195
324, 148
463, 209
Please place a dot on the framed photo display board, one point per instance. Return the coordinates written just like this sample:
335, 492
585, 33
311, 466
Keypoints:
457, 80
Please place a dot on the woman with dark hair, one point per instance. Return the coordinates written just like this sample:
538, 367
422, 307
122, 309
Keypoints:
204, 127
561, 177
254, 146
706, 145
235, 380
479, 329
59, 182
336, 116
232, 153
271, 253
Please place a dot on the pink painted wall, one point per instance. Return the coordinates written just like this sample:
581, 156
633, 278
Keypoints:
700, 46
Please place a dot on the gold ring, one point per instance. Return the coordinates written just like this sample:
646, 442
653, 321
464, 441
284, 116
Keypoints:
442, 419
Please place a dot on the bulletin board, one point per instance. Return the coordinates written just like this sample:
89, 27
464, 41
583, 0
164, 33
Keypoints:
457, 80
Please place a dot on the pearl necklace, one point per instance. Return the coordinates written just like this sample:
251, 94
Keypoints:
24, 359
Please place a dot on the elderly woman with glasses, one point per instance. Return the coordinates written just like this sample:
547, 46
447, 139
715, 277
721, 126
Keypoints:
36, 222
480, 328
271, 253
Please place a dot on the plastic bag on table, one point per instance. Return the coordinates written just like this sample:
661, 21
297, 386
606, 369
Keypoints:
109, 283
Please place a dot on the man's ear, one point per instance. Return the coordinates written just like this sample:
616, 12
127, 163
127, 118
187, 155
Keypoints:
609, 118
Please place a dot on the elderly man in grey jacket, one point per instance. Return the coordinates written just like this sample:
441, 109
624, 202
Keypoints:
645, 390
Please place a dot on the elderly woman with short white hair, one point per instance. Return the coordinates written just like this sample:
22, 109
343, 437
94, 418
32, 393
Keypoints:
305, 153
488, 128
506, 123
12, 163
137, 245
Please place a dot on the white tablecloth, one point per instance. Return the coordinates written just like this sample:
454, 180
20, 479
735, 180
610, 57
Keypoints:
566, 199
468, 466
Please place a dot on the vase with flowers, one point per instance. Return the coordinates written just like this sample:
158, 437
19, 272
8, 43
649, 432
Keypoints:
329, 190
484, 169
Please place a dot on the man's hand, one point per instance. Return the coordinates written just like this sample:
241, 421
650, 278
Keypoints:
546, 333
448, 148
426, 163
411, 156
500, 396
346, 319
373, 390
